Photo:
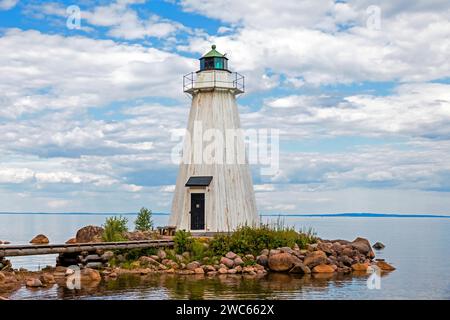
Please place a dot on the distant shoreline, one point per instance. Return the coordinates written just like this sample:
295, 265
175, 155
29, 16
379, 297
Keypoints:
310, 215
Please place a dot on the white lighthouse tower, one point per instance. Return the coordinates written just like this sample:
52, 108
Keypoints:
214, 189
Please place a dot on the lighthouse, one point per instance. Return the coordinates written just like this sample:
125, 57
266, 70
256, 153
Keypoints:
214, 188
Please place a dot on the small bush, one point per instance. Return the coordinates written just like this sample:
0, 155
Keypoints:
144, 221
252, 240
182, 241
114, 228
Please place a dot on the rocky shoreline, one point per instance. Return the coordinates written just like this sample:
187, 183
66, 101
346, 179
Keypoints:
324, 257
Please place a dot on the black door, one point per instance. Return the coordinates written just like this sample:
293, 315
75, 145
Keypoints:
197, 211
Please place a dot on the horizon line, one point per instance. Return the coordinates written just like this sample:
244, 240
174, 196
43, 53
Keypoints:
341, 214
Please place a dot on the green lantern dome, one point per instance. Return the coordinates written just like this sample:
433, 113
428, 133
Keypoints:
213, 60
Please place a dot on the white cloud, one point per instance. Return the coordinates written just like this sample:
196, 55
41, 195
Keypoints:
43, 71
8, 4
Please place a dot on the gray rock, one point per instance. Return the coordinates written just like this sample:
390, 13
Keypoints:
378, 246
92, 258
108, 255
94, 265
262, 260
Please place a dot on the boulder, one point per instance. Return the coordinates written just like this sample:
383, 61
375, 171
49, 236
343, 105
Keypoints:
199, 270
89, 234
323, 268
287, 250
208, 268
238, 261
108, 255
378, 246
155, 257
262, 260
47, 278
232, 271
94, 265
315, 258
193, 265
385, 266
40, 239
248, 269
71, 241
274, 251
347, 251
88, 274
222, 271
2, 277
360, 266
325, 247
363, 246
300, 268
227, 261
238, 269
281, 262
346, 261
33, 283
264, 252
144, 260
231, 255
162, 254
249, 257
344, 269
92, 258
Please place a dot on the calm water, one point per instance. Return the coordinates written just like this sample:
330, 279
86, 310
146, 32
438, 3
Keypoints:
418, 247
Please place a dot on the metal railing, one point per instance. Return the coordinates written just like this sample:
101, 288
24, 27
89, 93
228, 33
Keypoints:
238, 82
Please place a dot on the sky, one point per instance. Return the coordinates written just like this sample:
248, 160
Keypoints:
359, 91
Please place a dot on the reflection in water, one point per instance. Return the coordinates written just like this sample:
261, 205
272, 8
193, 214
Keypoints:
169, 286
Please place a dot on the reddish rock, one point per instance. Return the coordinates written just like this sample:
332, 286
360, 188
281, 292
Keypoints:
231, 255
89, 234
363, 246
227, 262
40, 239
281, 262
222, 271
360, 266
33, 283
323, 268
385, 266
315, 258
71, 240
199, 270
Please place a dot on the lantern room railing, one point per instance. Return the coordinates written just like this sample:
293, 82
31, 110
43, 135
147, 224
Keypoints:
235, 81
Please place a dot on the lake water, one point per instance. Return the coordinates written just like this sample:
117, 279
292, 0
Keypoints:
418, 247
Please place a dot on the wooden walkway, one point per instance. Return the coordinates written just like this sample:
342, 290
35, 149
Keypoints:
31, 250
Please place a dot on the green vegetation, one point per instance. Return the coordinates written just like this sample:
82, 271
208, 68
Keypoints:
182, 241
144, 221
115, 227
243, 241
252, 240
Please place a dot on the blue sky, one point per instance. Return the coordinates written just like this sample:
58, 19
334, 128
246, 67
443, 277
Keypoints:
360, 94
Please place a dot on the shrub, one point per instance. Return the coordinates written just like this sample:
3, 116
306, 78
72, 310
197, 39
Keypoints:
144, 221
115, 227
182, 241
252, 240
